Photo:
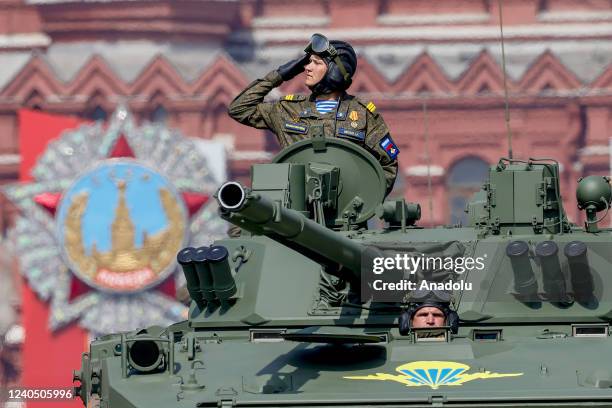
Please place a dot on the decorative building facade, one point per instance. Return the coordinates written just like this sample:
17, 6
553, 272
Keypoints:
433, 68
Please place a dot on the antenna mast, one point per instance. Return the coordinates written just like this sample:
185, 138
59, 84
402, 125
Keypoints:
507, 108
428, 159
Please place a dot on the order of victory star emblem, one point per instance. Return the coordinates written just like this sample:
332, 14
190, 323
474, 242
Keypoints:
102, 223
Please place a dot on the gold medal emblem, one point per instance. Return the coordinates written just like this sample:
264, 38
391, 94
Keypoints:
353, 116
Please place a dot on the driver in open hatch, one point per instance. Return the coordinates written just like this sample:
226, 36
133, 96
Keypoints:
429, 309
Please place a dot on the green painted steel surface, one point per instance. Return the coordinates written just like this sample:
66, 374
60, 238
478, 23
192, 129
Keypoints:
275, 344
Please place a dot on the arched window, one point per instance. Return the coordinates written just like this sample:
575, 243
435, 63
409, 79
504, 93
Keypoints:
159, 114
543, 6
98, 113
464, 179
34, 100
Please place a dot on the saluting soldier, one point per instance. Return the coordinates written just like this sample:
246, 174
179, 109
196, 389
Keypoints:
329, 110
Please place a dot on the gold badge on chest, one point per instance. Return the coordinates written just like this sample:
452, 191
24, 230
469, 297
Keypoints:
354, 116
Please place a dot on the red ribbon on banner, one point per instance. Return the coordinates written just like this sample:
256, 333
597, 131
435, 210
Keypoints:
48, 357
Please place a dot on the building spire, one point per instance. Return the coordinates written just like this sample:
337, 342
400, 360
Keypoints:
123, 230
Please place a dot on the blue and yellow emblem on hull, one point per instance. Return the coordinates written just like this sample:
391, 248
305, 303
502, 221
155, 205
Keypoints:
433, 374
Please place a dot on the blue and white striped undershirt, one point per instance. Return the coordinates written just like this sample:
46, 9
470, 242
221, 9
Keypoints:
326, 106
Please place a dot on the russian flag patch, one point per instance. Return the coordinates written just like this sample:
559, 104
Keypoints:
387, 144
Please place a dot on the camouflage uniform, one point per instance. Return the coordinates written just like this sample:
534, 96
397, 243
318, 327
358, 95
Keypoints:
295, 118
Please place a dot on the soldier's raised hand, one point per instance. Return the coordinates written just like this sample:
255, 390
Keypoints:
294, 67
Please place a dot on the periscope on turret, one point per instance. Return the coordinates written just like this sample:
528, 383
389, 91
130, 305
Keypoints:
528, 287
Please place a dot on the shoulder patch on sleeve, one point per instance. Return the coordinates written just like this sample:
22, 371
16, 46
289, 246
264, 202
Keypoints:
389, 146
293, 98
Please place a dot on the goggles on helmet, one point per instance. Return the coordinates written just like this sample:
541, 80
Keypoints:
319, 45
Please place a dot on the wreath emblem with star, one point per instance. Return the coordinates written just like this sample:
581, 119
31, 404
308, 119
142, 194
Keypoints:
100, 226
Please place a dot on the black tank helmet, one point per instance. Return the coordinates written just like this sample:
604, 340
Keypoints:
341, 63
420, 299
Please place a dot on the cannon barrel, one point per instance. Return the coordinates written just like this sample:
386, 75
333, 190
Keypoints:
237, 204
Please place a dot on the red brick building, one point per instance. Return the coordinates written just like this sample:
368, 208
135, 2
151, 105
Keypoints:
433, 68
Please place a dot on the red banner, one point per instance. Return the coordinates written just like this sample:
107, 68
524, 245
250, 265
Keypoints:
48, 357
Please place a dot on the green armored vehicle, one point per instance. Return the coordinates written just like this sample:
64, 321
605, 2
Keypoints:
308, 307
